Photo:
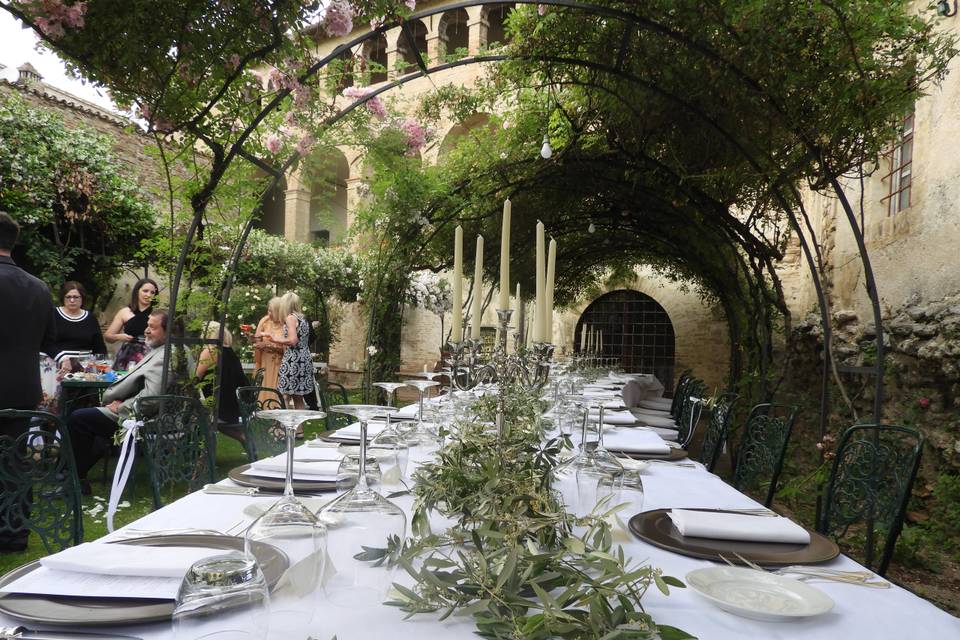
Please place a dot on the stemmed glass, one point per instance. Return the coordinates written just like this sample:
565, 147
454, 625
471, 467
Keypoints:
365, 520
391, 441
579, 477
419, 434
290, 526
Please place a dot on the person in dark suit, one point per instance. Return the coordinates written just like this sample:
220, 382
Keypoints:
144, 379
26, 329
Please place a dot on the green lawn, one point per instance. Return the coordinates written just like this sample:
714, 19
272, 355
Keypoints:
137, 501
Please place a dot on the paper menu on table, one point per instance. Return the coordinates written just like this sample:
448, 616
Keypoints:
49, 582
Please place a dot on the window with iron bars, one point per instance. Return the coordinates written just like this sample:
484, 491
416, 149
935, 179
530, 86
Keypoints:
899, 177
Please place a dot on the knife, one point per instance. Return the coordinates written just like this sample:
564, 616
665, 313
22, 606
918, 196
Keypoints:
22, 633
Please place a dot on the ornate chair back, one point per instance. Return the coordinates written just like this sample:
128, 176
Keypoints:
690, 412
716, 435
679, 393
333, 393
870, 485
39, 490
262, 438
763, 447
258, 377
178, 444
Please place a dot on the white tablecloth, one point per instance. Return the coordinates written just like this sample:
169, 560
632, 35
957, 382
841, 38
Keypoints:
860, 612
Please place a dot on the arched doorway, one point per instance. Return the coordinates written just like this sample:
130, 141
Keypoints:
636, 329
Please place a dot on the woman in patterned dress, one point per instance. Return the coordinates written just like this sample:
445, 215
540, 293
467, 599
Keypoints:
296, 369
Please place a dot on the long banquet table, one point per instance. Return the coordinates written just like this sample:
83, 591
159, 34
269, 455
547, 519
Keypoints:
859, 612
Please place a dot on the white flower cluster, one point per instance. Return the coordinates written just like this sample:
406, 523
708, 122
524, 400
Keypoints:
429, 291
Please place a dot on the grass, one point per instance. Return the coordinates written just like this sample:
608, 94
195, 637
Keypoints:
137, 498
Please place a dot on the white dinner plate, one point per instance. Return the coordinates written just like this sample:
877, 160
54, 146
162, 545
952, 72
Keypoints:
758, 594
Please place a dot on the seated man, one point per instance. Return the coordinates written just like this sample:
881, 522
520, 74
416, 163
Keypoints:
144, 379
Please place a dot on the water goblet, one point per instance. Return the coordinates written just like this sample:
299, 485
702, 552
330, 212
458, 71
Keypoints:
365, 520
418, 434
349, 471
391, 439
293, 528
223, 597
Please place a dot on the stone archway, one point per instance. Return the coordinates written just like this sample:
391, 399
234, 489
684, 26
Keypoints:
636, 329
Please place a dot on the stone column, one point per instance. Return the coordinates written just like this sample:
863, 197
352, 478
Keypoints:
296, 212
477, 29
393, 55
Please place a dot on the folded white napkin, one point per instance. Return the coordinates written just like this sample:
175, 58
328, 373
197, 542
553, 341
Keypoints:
312, 469
128, 560
655, 421
635, 441
407, 412
352, 431
614, 417
738, 526
663, 404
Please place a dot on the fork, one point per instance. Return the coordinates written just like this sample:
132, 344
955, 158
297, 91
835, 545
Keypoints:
804, 573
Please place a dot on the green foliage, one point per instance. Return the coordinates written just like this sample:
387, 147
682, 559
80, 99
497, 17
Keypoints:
513, 561
81, 216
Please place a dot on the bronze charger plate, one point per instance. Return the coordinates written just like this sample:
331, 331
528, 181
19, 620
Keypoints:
241, 477
656, 528
673, 456
86, 611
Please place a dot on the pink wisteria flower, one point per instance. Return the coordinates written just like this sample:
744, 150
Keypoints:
53, 17
411, 4
373, 105
273, 143
542, 9
233, 62
304, 144
416, 136
338, 20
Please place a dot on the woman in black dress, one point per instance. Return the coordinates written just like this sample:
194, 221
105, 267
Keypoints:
77, 334
130, 323
231, 377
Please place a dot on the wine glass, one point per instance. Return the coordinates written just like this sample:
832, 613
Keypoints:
589, 466
291, 527
419, 435
365, 520
392, 445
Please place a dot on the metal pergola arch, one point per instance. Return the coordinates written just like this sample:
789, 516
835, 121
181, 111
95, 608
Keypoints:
814, 262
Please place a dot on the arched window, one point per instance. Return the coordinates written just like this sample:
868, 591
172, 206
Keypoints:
636, 329
274, 211
454, 33
327, 176
406, 56
459, 131
496, 23
375, 55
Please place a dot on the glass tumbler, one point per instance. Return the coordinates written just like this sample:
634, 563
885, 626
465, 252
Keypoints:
223, 597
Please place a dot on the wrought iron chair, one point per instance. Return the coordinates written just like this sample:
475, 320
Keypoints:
333, 393
716, 434
690, 411
763, 447
870, 483
178, 444
262, 438
38, 478
679, 393
258, 377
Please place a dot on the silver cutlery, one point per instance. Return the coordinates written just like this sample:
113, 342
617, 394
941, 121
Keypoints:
226, 490
807, 573
22, 633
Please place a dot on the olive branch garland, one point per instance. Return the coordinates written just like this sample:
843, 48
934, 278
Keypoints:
513, 560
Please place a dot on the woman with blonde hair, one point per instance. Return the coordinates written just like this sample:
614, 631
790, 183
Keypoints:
267, 352
296, 368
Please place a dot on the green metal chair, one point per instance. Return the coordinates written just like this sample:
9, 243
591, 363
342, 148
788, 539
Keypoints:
679, 393
332, 393
262, 438
38, 477
178, 444
258, 377
869, 487
692, 407
763, 447
716, 435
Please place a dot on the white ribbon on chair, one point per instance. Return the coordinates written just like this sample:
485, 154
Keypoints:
128, 451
